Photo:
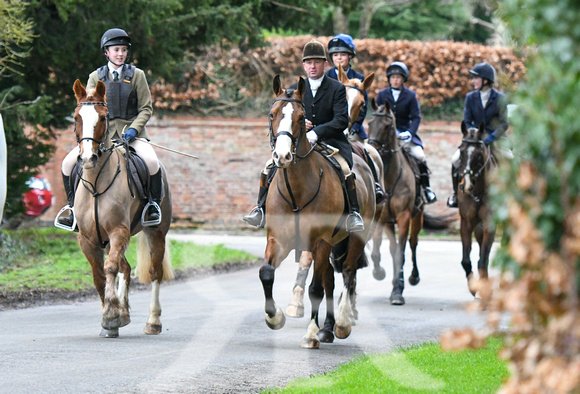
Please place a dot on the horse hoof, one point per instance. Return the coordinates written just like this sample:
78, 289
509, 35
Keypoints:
379, 273
397, 299
125, 320
152, 329
276, 322
111, 323
342, 332
113, 333
295, 311
414, 280
326, 336
310, 343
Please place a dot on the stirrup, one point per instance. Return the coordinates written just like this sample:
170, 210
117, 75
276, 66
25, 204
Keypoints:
430, 196
452, 201
63, 226
154, 222
357, 227
250, 218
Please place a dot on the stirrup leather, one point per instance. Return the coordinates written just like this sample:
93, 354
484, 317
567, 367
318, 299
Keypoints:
154, 222
63, 226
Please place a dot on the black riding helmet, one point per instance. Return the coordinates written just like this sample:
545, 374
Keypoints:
399, 68
115, 36
484, 71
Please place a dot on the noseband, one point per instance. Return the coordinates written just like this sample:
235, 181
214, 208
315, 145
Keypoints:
295, 141
102, 141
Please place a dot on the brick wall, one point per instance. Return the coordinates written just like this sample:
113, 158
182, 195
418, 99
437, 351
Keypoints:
216, 190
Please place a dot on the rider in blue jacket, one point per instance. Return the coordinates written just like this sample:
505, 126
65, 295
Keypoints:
483, 104
407, 112
341, 50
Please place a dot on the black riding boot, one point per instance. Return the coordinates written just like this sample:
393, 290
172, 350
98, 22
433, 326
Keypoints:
452, 201
354, 221
70, 196
257, 214
429, 195
156, 190
379, 193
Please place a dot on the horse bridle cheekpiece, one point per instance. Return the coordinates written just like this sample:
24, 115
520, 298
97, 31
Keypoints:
102, 141
295, 141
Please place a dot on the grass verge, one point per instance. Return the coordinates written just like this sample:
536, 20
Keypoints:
418, 369
50, 258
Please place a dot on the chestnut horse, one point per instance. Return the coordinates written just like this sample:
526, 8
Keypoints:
106, 211
472, 199
355, 89
306, 213
400, 207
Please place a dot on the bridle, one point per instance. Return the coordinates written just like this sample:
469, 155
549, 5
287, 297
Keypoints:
474, 175
350, 123
295, 140
101, 148
382, 145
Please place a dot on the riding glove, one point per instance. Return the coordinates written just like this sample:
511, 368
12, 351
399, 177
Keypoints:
130, 134
489, 139
312, 137
406, 136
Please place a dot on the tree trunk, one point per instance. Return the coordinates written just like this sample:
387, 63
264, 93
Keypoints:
340, 21
368, 10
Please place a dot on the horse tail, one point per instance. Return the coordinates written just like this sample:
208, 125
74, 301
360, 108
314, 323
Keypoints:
439, 222
144, 261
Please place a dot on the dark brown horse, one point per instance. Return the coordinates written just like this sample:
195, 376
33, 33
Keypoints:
105, 213
474, 211
400, 208
306, 209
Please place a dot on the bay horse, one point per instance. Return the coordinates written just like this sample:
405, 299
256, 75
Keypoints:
306, 213
108, 215
355, 94
400, 208
472, 199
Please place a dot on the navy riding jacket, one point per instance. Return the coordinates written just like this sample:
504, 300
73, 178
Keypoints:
494, 114
357, 127
406, 110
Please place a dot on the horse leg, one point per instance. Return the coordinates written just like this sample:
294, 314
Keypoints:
346, 314
118, 240
274, 316
378, 271
403, 223
152, 245
321, 284
124, 280
94, 255
466, 229
484, 252
416, 225
296, 306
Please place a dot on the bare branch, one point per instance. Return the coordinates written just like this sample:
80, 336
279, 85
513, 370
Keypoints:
290, 7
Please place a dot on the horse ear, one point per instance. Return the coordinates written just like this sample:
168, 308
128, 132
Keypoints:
79, 89
481, 130
300, 91
342, 77
276, 86
368, 81
463, 128
374, 104
101, 90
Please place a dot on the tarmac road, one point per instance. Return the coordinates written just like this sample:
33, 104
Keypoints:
214, 336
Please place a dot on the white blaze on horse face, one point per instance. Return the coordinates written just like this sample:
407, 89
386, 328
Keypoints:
469, 153
90, 117
283, 149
